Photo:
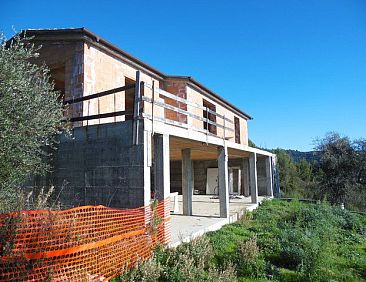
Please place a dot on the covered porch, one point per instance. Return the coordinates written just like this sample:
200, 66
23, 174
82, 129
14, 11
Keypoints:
205, 216
209, 184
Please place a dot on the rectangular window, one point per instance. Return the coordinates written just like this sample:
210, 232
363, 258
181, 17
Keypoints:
129, 99
207, 114
58, 77
177, 89
237, 130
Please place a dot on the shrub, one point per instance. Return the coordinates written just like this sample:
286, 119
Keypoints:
228, 273
249, 263
148, 271
30, 117
284, 241
189, 261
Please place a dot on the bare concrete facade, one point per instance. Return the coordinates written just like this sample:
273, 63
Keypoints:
158, 136
99, 165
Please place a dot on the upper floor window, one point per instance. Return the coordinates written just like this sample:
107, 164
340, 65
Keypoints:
237, 130
208, 114
58, 77
129, 99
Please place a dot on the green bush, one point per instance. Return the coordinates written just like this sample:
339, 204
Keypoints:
30, 118
148, 271
249, 262
282, 241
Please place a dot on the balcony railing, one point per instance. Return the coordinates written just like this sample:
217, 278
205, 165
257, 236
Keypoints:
149, 94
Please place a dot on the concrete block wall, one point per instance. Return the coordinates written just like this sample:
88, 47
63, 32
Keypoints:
99, 165
261, 176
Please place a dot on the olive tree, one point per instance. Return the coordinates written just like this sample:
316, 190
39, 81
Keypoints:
343, 170
30, 117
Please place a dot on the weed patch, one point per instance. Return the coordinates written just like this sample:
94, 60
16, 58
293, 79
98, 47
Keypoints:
280, 241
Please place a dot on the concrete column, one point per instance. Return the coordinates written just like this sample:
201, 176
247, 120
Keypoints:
161, 166
269, 183
147, 176
223, 182
253, 177
245, 177
162, 178
147, 165
187, 181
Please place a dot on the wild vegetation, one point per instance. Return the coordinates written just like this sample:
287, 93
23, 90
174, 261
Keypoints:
281, 241
30, 117
337, 174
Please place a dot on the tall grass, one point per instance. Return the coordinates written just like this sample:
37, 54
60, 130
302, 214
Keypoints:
280, 241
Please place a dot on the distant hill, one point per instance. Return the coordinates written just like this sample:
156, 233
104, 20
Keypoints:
312, 156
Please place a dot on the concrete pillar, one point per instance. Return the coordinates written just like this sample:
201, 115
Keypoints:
187, 181
147, 176
223, 182
245, 177
269, 183
147, 165
161, 166
162, 179
253, 177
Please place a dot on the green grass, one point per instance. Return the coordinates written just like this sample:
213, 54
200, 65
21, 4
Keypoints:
280, 241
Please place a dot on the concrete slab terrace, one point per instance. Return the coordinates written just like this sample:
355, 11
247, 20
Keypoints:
205, 217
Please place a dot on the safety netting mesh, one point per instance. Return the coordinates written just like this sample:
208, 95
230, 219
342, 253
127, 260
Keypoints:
83, 243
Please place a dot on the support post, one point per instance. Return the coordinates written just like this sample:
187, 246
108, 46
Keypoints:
223, 182
162, 178
253, 177
245, 177
136, 110
161, 166
147, 167
269, 176
146, 146
187, 181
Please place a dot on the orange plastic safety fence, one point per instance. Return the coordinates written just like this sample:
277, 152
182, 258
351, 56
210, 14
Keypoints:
79, 243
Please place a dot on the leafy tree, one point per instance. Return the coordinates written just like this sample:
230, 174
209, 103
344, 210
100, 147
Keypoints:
343, 170
288, 173
30, 117
297, 179
304, 170
251, 144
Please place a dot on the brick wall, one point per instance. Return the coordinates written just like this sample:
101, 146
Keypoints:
103, 72
68, 56
178, 88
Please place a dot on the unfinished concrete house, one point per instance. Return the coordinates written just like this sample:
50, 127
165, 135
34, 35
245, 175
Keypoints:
140, 134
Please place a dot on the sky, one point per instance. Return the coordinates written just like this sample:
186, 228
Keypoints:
297, 67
